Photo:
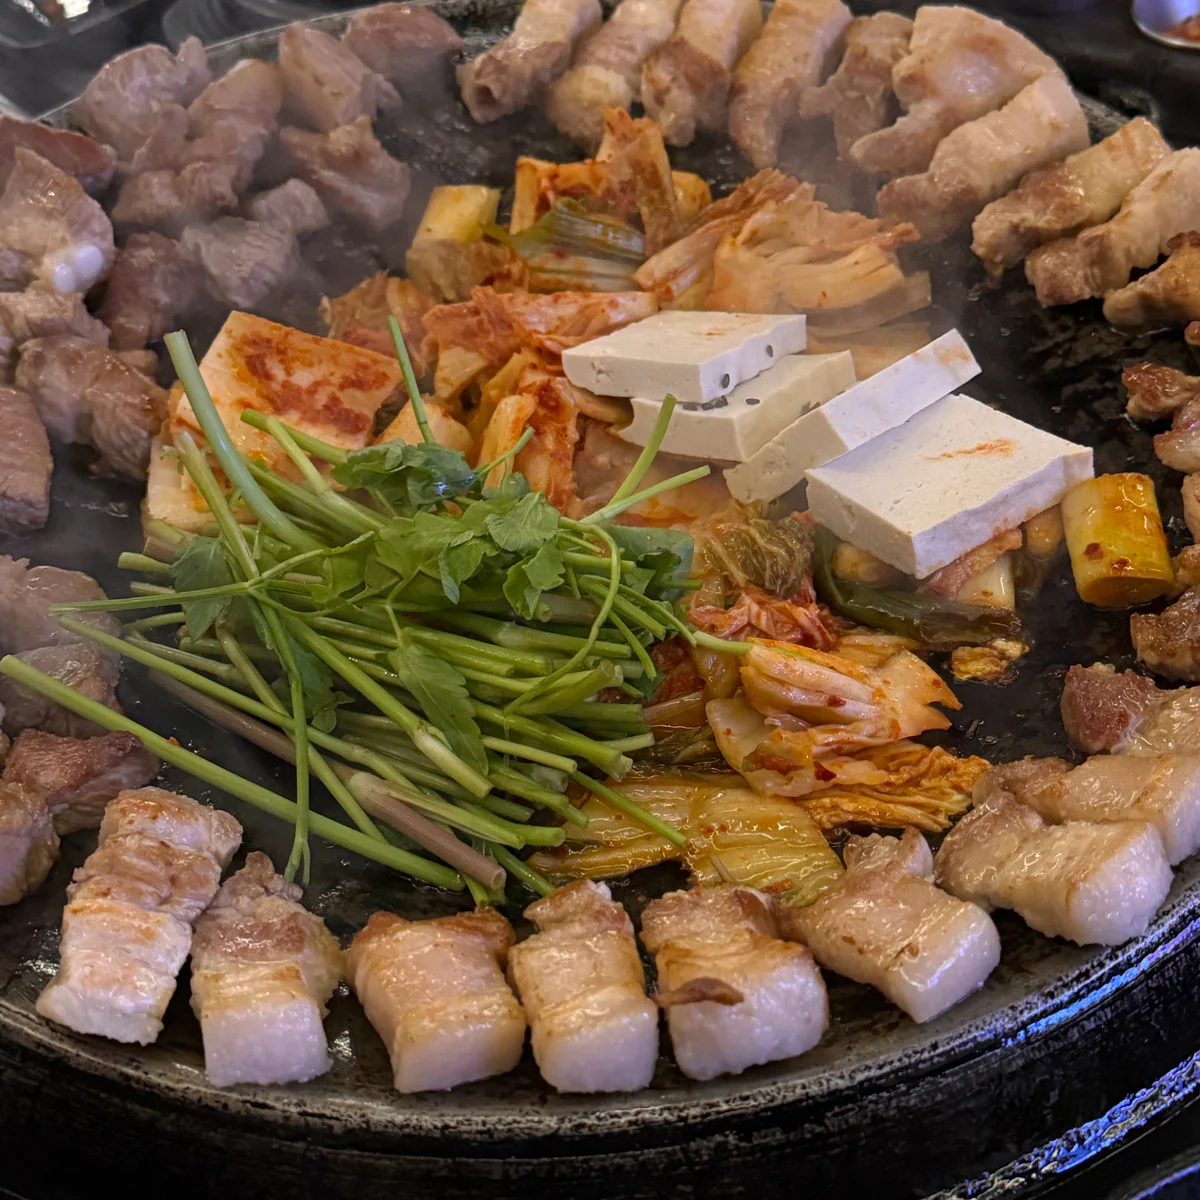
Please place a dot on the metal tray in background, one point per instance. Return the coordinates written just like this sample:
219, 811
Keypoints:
1000, 1089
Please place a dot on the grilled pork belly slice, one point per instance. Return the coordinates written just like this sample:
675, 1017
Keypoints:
83, 666
883, 923
791, 55
166, 200
52, 232
325, 84
1091, 884
151, 285
250, 89
26, 594
960, 65
1156, 391
1101, 259
127, 927
1060, 200
606, 71
293, 206
121, 104
408, 44
1163, 790
436, 994
77, 777
86, 160
1102, 708
515, 71
241, 262
1169, 642
28, 843
25, 465
1179, 448
982, 159
87, 394
736, 995
581, 983
1169, 295
39, 312
859, 93
263, 969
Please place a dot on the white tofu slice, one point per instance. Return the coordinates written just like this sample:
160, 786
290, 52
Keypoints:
696, 356
731, 428
862, 412
943, 483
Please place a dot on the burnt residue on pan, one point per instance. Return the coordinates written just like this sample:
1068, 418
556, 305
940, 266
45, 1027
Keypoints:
882, 1107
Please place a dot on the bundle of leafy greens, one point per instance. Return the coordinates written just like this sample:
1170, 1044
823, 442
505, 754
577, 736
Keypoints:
429, 648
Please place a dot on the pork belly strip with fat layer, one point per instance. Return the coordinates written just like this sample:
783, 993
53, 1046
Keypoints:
127, 927
263, 969
28, 843
960, 65
983, 159
580, 981
606, 71
1126, 713
884, 924
736, 995
1163, 790
858, 95
25, 465
1169, 295
436, 994
790, 55
1060, 200
77, 777
1101, 259
685, 82
515, 72
1092, 884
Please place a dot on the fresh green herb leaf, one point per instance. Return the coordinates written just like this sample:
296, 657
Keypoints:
528, 579
409, 477
458, 562
442, 694
667, 553
202, 565
512, 487
530, 523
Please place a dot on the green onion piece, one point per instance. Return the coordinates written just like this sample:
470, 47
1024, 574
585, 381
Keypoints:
535, 881
410, 382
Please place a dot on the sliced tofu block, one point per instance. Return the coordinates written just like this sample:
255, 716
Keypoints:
866, 410
324, 387
731, 428
943, 483
696, 356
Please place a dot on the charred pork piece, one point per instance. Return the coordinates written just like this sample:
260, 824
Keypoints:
736, 996
1169, 295
960, 65
121, 104
581, 983
1190, 489
351, 172
325, 85
884, 924
1156, 392
77, 777
1059, 201
39, 312
167, 201
1102, 709
1179, 449
1101, 259
127, 927
51, 231
409, 45
152, 284
78, 155
686, 81
435, 992
515, 72
982, 159
1169, 642
791, 54
249, 89
1092, 884
858, 95
1163, 790
28, 843
26, 594
240, 261
83, 666
263, 969
293, 206
85, 393
25, 465
606, 71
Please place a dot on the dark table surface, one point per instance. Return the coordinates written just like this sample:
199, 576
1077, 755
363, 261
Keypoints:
1104, 54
